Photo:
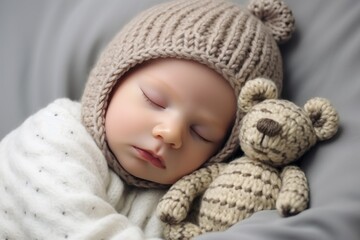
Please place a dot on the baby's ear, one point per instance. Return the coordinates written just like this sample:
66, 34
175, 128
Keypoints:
255, 91
323, 116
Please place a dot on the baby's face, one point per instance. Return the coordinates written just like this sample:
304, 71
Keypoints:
167, 118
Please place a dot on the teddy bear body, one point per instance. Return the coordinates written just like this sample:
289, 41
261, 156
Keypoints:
231, 192
242, 187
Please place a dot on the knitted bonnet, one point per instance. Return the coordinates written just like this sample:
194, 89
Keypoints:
237, 42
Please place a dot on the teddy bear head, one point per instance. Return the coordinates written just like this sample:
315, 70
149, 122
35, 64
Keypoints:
277, 131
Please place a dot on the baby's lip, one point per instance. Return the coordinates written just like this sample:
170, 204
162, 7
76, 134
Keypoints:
151, 157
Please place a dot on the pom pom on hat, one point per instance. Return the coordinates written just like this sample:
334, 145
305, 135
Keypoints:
238, 43
276, 15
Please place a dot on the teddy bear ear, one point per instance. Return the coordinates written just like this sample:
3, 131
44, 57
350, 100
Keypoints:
255, 91
324, 117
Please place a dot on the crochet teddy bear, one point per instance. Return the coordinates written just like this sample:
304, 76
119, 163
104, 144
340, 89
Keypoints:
272, 134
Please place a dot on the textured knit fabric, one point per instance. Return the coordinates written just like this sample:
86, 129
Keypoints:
238, 43
55, 184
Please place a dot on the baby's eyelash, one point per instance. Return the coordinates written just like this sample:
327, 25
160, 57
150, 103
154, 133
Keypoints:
200, 136
146, 98
150, 101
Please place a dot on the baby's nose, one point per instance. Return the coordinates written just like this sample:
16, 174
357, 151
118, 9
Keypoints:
268, 127
171, 132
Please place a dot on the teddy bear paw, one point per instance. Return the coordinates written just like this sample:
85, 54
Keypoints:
291, 203
183, 231
172, 211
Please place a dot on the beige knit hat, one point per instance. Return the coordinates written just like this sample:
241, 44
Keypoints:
239, 43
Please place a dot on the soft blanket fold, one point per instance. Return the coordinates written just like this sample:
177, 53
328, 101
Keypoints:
55, 184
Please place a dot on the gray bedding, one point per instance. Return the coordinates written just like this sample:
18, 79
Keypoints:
47, 48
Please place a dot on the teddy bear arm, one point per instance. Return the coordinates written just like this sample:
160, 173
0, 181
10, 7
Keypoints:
294, 193
175, 204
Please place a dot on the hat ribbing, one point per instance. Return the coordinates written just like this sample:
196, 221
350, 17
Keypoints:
238, 43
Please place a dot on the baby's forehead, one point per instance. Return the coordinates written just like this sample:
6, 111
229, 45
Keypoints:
185, 75
191, 76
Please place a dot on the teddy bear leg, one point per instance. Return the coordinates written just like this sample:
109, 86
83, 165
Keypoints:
184, 231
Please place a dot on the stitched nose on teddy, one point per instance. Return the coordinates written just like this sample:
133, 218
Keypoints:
268, 127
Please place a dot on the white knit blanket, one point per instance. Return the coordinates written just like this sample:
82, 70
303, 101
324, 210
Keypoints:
55, 184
